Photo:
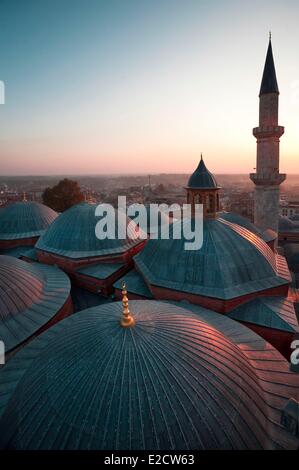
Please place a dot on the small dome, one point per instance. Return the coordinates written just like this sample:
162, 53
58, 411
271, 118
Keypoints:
231, 262
30, 295
165, 383
202, 178
73, 235
25, 220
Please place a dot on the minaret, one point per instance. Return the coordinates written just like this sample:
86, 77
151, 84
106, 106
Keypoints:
267, 177
203, 189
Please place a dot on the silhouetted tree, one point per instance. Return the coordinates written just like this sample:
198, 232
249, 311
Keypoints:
65, 194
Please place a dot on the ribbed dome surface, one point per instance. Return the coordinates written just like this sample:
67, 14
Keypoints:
21, 285
231, 262
172, 381
73, 235
25, 220
267, 236
30, 295
154, 220
202, 178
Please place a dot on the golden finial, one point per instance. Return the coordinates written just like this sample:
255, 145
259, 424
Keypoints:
127, 319
24, 197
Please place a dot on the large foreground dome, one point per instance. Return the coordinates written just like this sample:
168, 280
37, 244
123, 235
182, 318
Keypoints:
25, 220
174, 380
30, 296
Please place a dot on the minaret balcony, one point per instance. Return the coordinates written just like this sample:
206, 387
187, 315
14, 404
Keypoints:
263, 132
266, 179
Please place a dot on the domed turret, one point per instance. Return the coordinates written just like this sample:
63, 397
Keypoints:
202, 189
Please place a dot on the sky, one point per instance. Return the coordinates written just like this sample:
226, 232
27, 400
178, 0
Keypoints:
142, 86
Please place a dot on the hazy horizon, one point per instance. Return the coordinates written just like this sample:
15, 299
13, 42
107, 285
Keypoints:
138, 87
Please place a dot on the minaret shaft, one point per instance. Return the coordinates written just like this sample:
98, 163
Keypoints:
267, 178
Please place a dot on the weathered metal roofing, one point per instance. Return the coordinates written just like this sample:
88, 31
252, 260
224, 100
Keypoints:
25, 220
202, 178
173, 381
155, 219
17, 251
272, 312
83, 299
285, 224
267, 235
135, 284
269, 81
231, 262
72, 235
30, 295
30, 254
101, 271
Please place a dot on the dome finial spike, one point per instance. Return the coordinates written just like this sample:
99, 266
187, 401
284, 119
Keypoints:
201, 155
270, 35
127, 319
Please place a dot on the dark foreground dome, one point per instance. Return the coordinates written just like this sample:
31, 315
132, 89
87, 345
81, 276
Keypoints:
25, 220
72, 235
30, 296
174, 380
232, 262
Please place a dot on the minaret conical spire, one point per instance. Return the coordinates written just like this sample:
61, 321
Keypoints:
269, 80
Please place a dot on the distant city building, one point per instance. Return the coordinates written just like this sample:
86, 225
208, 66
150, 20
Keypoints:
290, 209
236, 265
242, 203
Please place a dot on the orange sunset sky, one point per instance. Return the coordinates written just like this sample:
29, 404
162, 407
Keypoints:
142, 87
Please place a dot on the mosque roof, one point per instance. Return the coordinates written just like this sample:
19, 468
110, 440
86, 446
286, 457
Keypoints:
272, 312
30, 295
175, 380
17, 251
135, 284
25, 220
83, 299
231, 262
72, 235
202, 178
155, 219
101, 270
287, 225
267, 235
